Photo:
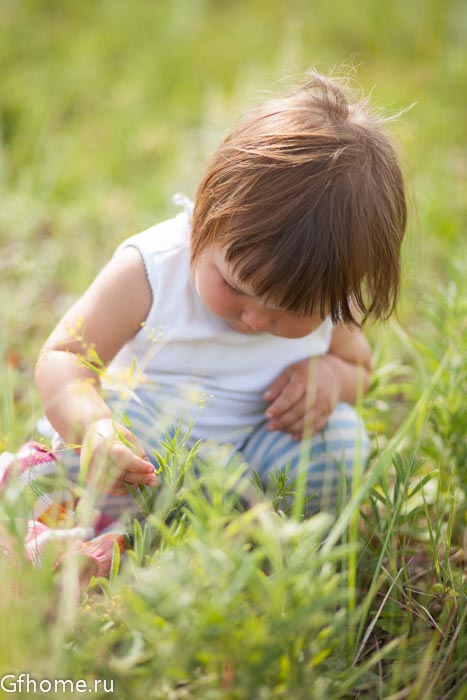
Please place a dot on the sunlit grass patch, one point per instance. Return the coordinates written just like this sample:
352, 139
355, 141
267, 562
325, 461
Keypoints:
220, 596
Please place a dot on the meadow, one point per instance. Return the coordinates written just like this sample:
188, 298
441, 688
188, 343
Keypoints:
106, 110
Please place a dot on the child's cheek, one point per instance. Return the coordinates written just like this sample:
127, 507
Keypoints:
229, 307
225, 307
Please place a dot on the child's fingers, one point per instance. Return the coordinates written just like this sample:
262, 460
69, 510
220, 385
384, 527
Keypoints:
296, 429
293, 415
320, 422
118, 490
130, 468
126, 460
116, 485
133, 478
112, 433
291, 394
130, 441
302, 424
276, 387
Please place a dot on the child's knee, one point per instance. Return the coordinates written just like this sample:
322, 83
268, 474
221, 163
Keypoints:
338, 454
346, 439
329, 460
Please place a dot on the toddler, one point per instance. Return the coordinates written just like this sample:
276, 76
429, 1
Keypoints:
242, 315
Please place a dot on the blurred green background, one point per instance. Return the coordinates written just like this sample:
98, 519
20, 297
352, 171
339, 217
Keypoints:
109, 107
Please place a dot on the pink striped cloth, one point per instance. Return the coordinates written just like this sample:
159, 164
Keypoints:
29, 478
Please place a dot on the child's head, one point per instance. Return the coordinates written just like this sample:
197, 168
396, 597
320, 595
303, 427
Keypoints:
305, 198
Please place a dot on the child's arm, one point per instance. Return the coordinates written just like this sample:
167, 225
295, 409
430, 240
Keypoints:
83, 343
342, 375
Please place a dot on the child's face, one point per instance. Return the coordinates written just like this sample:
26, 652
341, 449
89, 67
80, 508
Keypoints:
228, 299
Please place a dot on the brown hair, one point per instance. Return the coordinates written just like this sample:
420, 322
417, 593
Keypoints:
307, 197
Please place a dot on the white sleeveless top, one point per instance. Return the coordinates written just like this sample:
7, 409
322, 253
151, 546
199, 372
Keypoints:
185, 361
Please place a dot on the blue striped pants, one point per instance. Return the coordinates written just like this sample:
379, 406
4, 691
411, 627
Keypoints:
327, 460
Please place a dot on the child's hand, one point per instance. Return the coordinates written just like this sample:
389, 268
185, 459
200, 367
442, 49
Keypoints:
291, 411
112, 457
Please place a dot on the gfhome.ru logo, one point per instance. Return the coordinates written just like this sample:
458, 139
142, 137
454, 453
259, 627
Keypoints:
25, 682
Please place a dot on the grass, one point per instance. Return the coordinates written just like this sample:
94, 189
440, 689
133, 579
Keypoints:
215, 601
108, 108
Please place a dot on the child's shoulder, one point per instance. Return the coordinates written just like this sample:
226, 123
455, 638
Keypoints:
164, 247
172, 234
